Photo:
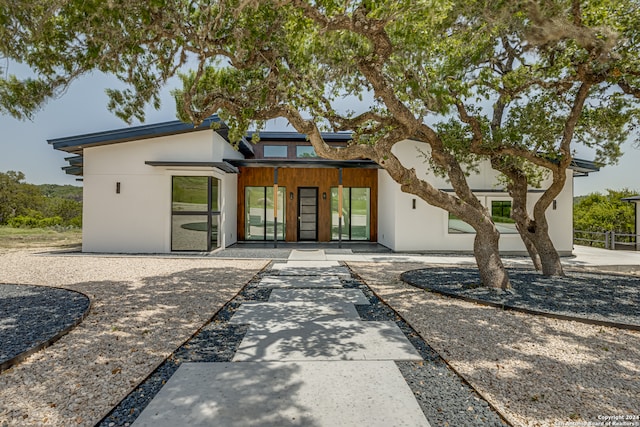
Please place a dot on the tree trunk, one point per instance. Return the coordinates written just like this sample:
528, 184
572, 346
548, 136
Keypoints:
485, 247
549, 257
531, 247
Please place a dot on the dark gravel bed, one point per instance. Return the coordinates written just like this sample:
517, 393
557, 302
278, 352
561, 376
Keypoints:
443, 396
592, 297
32, 317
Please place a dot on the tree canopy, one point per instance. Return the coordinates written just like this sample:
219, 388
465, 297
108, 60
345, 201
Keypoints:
29, 205
517, 84
598, 212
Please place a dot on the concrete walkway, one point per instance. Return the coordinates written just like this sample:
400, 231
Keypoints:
582, 257
306, 360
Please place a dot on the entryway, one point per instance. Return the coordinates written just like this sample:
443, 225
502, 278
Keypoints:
307, 213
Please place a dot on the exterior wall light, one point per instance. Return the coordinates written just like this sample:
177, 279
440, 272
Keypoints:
324, 196
117, 188
290, 195
413, 203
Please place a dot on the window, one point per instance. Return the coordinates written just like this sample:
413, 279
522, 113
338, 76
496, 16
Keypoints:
356, 213
195, 215
305, 151
258, 212
275, 151
458, 226
501, 216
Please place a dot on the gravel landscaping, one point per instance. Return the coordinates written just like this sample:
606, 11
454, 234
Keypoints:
150, 314
599, 297
142, 309
537, 371
34, 316
440, 392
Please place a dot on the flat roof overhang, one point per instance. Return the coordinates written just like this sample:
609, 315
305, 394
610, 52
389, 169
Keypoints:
223, 166
75, 144
73, 170
631, 199
304, 163
582, 167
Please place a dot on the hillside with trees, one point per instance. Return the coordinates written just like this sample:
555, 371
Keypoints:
24, 205
600, 213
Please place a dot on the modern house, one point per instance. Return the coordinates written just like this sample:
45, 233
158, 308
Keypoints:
171, 187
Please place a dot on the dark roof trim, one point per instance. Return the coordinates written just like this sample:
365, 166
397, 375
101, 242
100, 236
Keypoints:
582, 167
631, 199
75, 144
295, 136
73, 170
223, 166
75, 160
306, 163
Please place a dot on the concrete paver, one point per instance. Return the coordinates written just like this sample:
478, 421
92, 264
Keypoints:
354, 296
290, 265
307, 255
314, 271
262, 313
324, 281
314, 394
336, 340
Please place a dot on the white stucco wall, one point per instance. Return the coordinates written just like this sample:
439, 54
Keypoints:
387, 191
138, 220
425, 228
229, 210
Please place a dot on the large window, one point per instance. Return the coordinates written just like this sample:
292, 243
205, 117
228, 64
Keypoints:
275, 151
458, 226
258, 212
305, 151
500, 214
195, 213
356, 213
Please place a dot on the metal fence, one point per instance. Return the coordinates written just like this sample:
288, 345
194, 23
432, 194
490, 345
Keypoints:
607, 240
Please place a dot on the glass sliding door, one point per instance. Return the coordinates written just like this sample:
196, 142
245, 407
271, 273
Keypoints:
360, 213
259, 216
346, 208
195, 214
356, 213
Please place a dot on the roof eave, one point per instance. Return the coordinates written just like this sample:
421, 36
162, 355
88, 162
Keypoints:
75, 144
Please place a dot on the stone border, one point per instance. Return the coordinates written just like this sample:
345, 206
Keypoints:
507, 307
7, 364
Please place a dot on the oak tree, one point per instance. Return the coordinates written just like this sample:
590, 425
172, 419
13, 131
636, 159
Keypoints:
472, 81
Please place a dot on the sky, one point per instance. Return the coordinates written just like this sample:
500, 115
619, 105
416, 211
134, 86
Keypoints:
83, 109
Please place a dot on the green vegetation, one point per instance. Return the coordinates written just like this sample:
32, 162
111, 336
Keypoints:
68, 192
597, 213
24, 205
516, 84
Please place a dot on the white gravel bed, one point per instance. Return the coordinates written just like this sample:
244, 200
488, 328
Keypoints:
142, 309
535, 370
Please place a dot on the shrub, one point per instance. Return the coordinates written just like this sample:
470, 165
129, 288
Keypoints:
27, 221
75, 221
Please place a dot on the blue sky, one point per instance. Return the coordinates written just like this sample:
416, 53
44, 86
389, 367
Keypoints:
82, 109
